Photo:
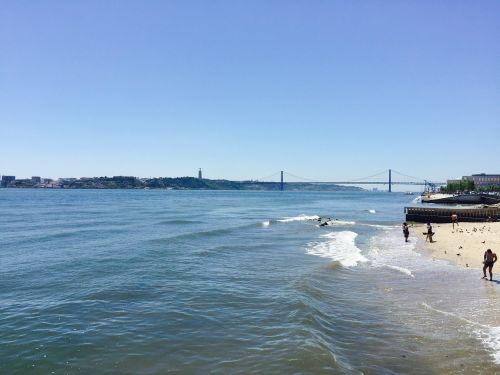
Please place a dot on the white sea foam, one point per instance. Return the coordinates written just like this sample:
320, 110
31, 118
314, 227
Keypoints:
406, 271
341, 222
380, 226
265, 223
298, 218
338, 246
372, 211
491, 339
388, 249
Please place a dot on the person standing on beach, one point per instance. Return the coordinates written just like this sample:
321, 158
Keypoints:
454, 220
406, 231
489, 260
429, 233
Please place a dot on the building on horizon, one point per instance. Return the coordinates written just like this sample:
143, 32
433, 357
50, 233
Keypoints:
200, 176
485, 180
6, 180
480, 180
455, 181
36, 179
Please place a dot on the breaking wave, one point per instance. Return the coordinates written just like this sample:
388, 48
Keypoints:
298, 218
406, 271
490, 336
338, 246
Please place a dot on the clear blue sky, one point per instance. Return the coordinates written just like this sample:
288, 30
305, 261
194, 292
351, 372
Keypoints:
323, 89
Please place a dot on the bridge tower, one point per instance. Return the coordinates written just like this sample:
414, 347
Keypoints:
390, 182
282, 186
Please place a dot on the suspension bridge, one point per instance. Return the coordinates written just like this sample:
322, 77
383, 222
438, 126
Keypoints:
388, 177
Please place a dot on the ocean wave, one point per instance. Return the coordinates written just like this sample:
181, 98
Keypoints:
63, 234
202, 233
340, 222
447, 313
179, 222
380, 226
298, 218
331, 222
338, 246
388, 249
372, 211
488, 335
406, 271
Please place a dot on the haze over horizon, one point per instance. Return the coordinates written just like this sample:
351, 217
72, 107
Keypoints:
324, 90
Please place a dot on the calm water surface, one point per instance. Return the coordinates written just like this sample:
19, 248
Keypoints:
197, 282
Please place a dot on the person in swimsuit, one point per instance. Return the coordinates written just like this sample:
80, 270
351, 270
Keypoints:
454, 220
406, 231
429, 233
489, 260
325, 223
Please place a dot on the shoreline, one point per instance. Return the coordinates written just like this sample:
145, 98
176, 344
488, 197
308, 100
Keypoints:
463, 246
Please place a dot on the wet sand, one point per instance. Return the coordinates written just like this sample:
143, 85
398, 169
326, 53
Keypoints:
465, 245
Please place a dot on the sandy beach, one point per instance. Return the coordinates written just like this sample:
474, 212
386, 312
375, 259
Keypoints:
465, 245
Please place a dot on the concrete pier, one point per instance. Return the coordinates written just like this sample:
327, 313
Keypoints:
443, 215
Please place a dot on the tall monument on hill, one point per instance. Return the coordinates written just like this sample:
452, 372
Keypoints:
200, 176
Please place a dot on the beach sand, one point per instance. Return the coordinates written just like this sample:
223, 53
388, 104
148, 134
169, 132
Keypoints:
470, 240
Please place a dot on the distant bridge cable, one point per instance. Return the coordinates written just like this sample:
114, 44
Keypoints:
412, 177
299, 178
367, 177
353, 180
268, 177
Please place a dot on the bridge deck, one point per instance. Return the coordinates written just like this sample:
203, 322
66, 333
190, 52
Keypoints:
378, 183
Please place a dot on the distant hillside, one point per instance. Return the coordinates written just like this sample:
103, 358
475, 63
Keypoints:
180, 183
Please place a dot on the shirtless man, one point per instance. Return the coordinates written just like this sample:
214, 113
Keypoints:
489, 260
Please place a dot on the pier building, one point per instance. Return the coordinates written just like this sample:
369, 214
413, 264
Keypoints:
6, 180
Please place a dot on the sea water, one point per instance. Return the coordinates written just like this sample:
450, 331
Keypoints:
229, 282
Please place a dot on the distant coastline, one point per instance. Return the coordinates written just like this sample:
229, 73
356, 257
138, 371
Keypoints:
172, 183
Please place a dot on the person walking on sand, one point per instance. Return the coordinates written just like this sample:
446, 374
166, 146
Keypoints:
489, 260
429, 233
454, 220
406, 231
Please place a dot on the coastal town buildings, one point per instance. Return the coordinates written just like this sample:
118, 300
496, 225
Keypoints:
486, 180
480, 180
